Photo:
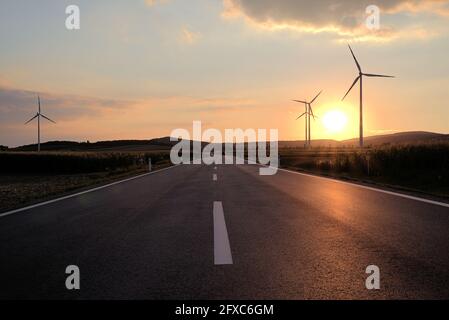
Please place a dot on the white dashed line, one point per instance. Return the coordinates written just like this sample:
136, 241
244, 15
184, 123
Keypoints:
222, 249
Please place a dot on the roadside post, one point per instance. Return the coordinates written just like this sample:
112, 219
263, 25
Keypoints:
149, 164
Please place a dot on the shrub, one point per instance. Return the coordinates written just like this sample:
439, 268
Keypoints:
73, 162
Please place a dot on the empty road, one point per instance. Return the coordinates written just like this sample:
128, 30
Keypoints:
200, 232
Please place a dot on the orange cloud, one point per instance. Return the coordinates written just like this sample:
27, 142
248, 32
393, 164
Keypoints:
343, 18
189, 37
155, 2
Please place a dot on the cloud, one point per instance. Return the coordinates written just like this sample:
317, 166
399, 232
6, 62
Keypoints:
80, 118
344, 17
189, 37
16, 105
4, 83
155, 2
209, 105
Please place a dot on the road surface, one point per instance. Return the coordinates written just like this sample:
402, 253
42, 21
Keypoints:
199, 232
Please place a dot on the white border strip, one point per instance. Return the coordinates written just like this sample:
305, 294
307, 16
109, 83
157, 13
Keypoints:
81, 193
402, 195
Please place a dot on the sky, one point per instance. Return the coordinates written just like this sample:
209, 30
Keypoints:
139, 69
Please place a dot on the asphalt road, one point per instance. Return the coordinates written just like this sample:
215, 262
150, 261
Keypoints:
196, 232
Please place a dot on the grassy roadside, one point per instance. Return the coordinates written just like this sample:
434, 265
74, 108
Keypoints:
22, 190
54, 178
417, 169
420, 169
435, 195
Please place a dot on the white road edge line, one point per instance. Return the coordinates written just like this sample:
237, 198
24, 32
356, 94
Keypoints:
402, 195
81, 193
214, 177
222, 249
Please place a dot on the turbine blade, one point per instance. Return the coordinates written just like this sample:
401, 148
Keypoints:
377, 75
300, 101
353, 84
32, 118
316, 97
355, 59
301, 115
311, 111
47, 118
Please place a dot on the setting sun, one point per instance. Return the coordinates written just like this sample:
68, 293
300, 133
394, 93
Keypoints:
335, 121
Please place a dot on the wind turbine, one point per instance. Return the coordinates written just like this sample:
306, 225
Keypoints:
360, 78
308, 112
38, 116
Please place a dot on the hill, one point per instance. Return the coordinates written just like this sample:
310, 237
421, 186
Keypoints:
400, 138
410, 137
164, 143
114, 145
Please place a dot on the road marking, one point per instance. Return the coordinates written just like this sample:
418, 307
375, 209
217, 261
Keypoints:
402, 195
222, 249
214, 177
81, 193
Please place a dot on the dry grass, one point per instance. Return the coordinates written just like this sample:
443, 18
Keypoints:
421, 167
62, 173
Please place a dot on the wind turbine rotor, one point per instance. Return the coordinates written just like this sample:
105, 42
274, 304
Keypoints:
376, 75
316, 97
300, 101
304, 113
355, 59
47, 118
353, 84
311, 111
37, 114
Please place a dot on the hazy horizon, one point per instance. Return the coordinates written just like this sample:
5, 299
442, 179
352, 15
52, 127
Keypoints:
280, 140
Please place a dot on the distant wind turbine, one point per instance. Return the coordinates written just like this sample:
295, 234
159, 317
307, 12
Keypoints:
38, 116
360, 78
308, 112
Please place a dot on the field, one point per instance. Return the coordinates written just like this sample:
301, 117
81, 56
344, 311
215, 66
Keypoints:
26, 178
29, 177
422, 168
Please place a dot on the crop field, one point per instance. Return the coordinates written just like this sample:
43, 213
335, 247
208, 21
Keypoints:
26, 178
417, 167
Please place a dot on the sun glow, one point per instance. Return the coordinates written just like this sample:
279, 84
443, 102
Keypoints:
335, 121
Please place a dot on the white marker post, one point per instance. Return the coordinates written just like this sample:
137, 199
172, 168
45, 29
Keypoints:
149, 164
